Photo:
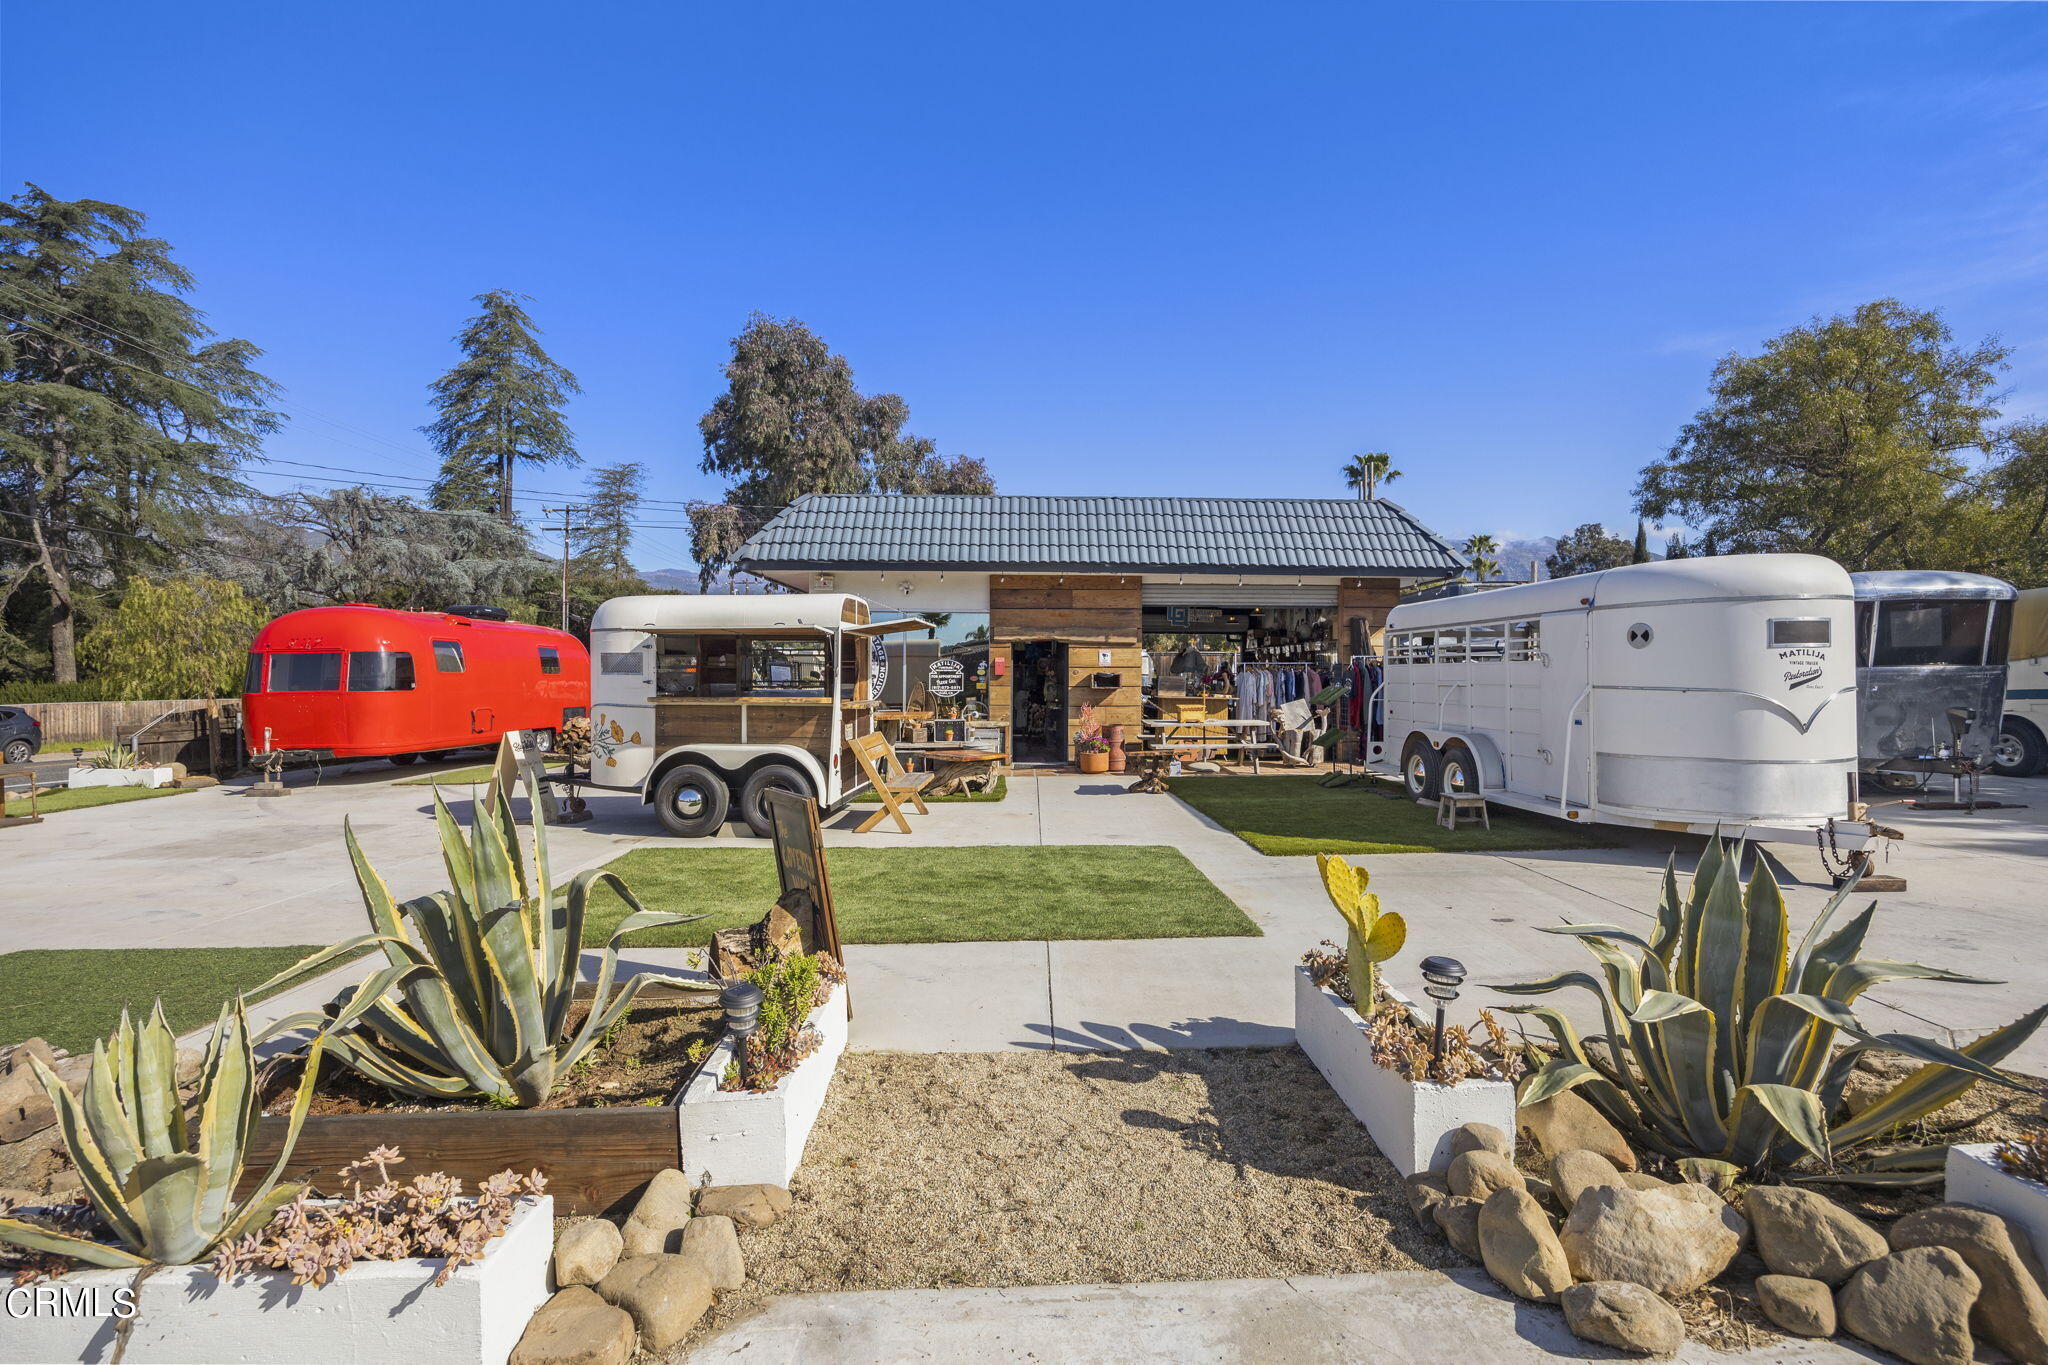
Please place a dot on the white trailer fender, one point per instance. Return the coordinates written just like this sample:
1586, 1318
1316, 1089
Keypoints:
1493, 774
733, 760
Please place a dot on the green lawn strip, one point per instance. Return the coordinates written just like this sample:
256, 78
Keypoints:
1284, 816
80, 798
460, 777
936, 895
70, 996
997, 792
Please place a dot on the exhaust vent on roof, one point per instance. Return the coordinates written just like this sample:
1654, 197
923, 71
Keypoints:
481, 613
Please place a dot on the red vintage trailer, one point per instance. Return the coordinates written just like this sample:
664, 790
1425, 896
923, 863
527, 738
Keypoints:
359, 681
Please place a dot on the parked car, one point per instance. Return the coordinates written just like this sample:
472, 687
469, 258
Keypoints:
21, 735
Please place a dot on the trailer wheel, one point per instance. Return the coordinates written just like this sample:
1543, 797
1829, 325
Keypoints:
691, 801
543, 741
404, 760
754, 795
1457, 772
1420, 769
2020, 751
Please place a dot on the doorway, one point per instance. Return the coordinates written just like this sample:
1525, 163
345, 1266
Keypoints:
1038, 708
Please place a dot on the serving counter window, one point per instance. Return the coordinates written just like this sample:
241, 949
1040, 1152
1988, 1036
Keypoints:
738, 666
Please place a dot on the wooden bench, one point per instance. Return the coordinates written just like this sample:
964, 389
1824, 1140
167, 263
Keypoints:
892, 784
1450, 805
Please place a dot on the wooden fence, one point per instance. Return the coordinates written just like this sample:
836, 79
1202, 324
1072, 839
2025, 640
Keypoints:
201, 739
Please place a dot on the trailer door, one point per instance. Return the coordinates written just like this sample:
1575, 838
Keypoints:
1565, 741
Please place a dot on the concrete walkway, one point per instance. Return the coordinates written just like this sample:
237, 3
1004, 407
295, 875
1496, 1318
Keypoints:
1402, 1318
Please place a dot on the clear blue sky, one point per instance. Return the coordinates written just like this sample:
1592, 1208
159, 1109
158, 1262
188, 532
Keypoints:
1107, 248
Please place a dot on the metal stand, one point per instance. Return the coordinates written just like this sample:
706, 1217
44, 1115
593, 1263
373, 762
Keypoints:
271, 765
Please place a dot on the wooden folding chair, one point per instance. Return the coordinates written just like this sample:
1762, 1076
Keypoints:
892, 783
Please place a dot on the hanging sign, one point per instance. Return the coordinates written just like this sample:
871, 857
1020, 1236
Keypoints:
945, 678
878, 668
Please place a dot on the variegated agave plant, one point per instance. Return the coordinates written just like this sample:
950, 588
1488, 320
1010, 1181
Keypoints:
1720, 1042
488, 970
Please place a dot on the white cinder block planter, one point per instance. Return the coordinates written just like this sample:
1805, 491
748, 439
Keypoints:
737, 1137
374, 1310
1975, 1178
121, 777
1410, 1121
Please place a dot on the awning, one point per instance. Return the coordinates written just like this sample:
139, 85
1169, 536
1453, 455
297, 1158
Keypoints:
890, 627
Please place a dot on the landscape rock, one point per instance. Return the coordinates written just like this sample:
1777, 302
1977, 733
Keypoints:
665, 1294
1565, 1123
1518, 1248
586, 1250
1802, 1307
2011, 1311
18, 1078
1705, 1197
1573, 1173
1458, 1220
1914, 1303
196, 781
656, 1223
713, 1243
1636, 1180
13, 1197
1477, 1174
1545, 1192
1875, 1075
576, 1327
752, 1206
1628, 1316
191, 1061
1802, 1232
1481, 1137
1665, 1244
1425, 1190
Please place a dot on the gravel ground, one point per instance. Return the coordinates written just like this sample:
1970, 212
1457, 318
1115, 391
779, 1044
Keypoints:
940, 1170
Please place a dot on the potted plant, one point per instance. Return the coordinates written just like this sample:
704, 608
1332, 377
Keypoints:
1409, 1085
114, 766
1091, 750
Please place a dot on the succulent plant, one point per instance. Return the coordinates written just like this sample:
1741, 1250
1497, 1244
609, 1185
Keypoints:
1720, 1039
486, 972
1373, 937
113, 756
165, 1191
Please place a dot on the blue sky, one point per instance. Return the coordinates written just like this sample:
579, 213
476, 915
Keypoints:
1108, 249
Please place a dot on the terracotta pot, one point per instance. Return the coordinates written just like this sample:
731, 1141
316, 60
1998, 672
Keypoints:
1093, 763
1115, 735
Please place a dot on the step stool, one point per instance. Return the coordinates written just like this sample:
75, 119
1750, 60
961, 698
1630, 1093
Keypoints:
1450, 804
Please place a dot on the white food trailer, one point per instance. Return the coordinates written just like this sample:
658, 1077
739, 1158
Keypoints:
703, 704
1683, 695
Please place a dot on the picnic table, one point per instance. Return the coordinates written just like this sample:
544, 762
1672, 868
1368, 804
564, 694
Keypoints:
1161, 734
953, 769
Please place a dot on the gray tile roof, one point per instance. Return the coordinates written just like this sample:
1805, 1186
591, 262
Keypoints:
1159, 535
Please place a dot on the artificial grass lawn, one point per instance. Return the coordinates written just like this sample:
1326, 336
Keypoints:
1282, 816
935, 895
999, 789
79, 798
70, 996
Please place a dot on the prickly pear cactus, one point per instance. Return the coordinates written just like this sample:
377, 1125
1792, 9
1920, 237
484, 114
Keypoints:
1374, 936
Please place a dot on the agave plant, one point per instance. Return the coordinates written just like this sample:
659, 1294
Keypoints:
166, 1193
1720, 1042
1372, 936
113, 756
488, 970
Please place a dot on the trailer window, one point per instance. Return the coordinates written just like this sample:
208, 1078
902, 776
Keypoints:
379, 670
252, 679
1524, 639
788, 667
448, 656
1930, 634
305, 672
1789, 632
1487, 644
550, 660
620, 662
678, 667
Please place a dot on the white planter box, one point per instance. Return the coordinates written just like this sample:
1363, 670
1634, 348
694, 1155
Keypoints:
1410, 1121
1975, 1178
374, 1310
737, 1137
121, 777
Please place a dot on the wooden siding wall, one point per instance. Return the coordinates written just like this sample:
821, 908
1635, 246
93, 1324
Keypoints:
1366, 600
1089, 613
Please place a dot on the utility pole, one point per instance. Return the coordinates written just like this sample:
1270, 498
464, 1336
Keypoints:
566, 513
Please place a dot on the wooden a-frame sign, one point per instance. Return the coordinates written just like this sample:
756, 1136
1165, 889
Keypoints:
800, 863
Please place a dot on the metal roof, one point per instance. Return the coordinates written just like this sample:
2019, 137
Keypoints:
1000, 532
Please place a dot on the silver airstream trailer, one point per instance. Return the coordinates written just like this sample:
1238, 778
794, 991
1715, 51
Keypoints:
702, 704
1930, 672
1688, 695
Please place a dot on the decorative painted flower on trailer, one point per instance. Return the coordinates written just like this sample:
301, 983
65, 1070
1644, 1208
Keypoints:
606, 737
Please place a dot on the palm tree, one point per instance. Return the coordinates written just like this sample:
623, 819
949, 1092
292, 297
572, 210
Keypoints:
1481, 549
1368, 471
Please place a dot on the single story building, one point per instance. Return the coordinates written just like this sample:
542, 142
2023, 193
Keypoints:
1049, 606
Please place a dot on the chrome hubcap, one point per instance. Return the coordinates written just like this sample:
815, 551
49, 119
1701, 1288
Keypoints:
689, 802
1418, 773
1455, 779
2007, 752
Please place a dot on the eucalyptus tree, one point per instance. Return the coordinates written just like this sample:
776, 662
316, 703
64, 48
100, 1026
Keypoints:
499, 407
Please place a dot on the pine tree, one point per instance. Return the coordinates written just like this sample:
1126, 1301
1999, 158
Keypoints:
602, 534
1640, 554
121, 423
500, 406
1676, 548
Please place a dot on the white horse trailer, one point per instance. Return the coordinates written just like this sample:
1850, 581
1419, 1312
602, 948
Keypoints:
1684, 695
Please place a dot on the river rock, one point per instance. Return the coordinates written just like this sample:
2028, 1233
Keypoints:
1458, 1220
1518, 1248
751, 1206
1477, 1174
1481, 1137
1803, 1307
1573, 1173
1665, 1244
665, 1294
1914, 1303
1565, 1123
1802, 1232
576, 1327
2011, 1311
657, 1221
1628, 1316
713, 1243
1636, 1180
586, 1250
1425, 1190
